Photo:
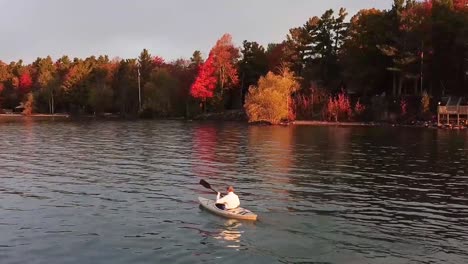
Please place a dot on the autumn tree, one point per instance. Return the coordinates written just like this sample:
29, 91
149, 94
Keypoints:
276, 56
225, 57
46, 81
4, 79
184, 71
377, 56
219, 71
270, 100
161, 93
100, 81
205, 83
145, 60
339, 107
158, 61
405, 43
76, 84
25, 82
449, 33
126, 88
187, 76
9, 75
29, 104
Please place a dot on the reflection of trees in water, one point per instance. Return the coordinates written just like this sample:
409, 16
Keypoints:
230, 150
271, 153
403, 172
29, 129
318, 146
318, 150
216, 149
203, 150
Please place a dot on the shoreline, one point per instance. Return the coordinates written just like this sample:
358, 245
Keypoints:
220, 117
359, 124
327, 123
15, 117
428, 125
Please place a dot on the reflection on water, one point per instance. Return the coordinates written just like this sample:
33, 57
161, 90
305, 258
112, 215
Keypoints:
270, 154
204, 150
126, 192
231, 233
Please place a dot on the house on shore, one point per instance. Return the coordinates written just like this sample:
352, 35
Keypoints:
452, 110
19, 108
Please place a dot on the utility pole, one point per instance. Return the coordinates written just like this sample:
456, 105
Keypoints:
422, 64
139, 87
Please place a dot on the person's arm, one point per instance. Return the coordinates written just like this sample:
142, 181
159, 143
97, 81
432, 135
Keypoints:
220, 200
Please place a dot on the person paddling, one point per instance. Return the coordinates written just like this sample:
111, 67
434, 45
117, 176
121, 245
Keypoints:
229, 201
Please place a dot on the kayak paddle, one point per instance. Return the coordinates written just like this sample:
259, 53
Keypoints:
207, 185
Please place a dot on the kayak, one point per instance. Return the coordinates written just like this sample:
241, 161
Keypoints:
237, 213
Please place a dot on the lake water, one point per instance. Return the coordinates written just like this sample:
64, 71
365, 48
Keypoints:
126, 192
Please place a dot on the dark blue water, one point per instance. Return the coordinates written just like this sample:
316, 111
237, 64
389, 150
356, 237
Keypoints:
126, 192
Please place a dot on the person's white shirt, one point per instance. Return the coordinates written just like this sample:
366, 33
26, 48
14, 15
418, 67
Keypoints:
231, 200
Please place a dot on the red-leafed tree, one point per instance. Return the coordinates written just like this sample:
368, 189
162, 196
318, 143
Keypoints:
25, 83
205, 82
417, 18
339, 108
460, 4
158, 61
219, 69
276, 56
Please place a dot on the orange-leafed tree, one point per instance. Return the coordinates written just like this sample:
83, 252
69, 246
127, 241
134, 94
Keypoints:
2, 87
225, 57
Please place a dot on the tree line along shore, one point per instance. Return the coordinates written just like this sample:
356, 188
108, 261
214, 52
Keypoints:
397, 65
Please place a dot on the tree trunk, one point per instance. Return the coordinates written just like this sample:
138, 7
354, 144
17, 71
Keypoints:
416, 87
53, 105
221, 80
50, 104
400, 85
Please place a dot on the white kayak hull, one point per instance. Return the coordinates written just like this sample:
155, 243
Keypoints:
237, 213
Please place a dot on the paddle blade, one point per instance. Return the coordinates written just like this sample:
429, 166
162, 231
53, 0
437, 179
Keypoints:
205, 184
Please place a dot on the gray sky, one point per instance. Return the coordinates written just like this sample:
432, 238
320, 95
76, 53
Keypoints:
171, 28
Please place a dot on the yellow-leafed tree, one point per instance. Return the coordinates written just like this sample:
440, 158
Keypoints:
269, 100
28, 104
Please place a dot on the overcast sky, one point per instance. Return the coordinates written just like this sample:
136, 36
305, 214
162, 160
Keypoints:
171, 28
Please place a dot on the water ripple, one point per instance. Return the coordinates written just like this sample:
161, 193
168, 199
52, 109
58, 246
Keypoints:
126, 192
